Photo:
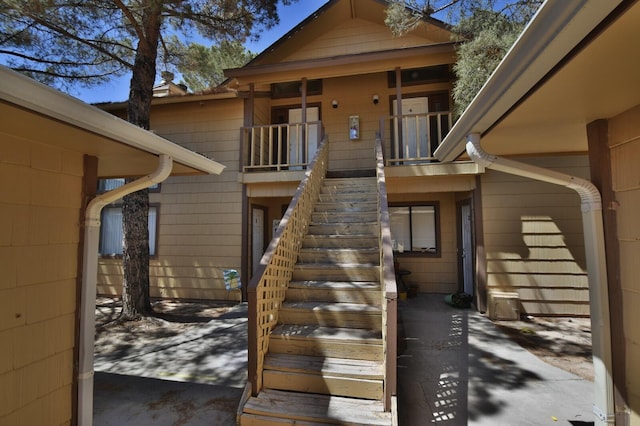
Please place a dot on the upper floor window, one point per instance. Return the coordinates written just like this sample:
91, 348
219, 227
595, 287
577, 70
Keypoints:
425, 75
415, 228
293, 89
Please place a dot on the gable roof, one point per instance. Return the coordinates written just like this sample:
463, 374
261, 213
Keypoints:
341, 19
347, 33
567, 68
32, 111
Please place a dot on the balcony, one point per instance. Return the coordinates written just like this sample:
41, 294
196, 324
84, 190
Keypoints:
278, 147
411, 139
408, 142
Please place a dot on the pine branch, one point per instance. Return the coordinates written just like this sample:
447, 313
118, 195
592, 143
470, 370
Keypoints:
89, 43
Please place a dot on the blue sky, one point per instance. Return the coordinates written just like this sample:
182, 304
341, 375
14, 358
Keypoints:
118, 89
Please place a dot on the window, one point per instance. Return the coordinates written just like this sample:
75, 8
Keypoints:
426, 75
105, 185
293, 89
414, 229
111, 231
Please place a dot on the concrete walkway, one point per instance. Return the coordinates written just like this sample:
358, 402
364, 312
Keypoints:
457, 369
196, 378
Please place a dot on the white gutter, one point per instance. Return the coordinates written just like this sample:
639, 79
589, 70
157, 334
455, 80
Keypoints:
31, 95
593, 229
557, 27
89, 281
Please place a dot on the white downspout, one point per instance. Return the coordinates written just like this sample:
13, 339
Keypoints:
593, 228
90, 277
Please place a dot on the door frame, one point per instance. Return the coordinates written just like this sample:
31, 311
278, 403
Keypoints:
265, 233
460, 246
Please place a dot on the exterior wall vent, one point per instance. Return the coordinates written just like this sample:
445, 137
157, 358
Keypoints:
504, 305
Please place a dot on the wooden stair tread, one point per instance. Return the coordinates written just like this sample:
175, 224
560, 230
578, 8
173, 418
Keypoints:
334, 265
308, 364
318, 408
342, 285
333, 307
338, 334
339, 250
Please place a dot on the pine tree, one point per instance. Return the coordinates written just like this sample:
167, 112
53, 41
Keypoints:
84, 42
486, 30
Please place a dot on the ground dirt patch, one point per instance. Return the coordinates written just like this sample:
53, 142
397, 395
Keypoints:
170, 318
559, 341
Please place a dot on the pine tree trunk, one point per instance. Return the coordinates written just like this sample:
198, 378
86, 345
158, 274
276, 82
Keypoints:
135, 292
136, 302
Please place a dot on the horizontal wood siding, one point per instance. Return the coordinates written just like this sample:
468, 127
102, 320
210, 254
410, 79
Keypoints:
624, 142
354, 36
534, 241
40, 210
200, 216
433, 274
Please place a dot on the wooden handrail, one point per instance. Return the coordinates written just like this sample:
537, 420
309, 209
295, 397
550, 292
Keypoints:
267, 289
388, 284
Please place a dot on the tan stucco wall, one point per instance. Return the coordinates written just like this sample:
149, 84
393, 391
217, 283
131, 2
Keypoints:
533, 238
624, 141
40, 203
200, 216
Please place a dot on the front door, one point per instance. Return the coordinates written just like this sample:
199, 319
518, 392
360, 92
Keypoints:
413, 128
465, 247
258, 237
302, 151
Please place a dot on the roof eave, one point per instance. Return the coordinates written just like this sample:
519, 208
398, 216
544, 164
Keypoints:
556, 29
31, 95
257, 70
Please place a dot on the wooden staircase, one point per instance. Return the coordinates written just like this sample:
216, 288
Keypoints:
325, 363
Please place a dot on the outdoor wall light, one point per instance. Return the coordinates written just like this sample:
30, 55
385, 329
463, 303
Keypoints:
376, 99
334, 104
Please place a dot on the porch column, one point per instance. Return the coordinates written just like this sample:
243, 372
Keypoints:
303, 94
399, 110
303, 142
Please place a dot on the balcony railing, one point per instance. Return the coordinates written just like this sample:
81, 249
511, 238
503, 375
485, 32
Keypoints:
267, 289
276, 147
412, 139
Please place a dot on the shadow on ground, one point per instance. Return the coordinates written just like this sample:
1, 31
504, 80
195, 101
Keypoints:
184, 365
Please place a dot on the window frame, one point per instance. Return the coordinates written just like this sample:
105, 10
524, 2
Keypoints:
101, 190
118, 205
436, 218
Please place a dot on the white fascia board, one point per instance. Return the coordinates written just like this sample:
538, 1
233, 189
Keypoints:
556, 29
34, 96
